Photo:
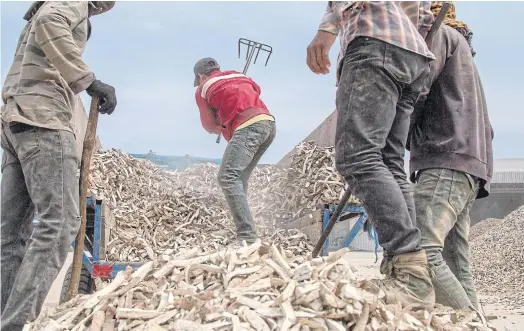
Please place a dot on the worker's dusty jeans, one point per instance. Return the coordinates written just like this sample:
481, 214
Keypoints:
39, 172
378, 86
242, 154
443, 199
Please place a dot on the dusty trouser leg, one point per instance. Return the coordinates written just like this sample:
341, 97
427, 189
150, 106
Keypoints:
394, 151
456, 253
16, 220
258, 155
378, 85
441, 197
367, 100
393, 156
49, 163
239, 155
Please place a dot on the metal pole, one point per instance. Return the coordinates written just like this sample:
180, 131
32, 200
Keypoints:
250, 57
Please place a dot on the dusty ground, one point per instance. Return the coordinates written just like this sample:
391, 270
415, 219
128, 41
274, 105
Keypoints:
507, 320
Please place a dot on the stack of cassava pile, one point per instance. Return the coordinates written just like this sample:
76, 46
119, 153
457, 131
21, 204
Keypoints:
252, 288
310, 181
153, 212
157, 210
498, 260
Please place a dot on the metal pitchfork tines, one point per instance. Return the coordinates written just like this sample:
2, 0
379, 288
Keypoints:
252, 48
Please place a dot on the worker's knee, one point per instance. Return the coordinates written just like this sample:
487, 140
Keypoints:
357, 165
220, 179
46, 240
227, 178
434, 256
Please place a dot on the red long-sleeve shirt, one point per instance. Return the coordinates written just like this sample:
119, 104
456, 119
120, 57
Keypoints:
226, 100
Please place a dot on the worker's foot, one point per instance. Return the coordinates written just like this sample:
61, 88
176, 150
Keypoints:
248, 241
241, 242
407, 281
235, 244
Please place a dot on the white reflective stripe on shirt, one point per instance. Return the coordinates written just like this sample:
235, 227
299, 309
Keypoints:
210, 82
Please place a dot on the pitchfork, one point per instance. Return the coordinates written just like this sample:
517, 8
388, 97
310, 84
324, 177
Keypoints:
252, 48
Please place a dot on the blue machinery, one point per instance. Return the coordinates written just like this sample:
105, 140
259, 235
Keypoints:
92, 251
359, 225
99, 267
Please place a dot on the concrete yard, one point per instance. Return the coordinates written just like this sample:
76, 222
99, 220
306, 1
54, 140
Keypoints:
507, 320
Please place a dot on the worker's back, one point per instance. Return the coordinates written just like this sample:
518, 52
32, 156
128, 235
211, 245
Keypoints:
229, 93
233, 98
453, 130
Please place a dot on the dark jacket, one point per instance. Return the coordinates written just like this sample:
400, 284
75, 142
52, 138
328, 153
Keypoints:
450, 127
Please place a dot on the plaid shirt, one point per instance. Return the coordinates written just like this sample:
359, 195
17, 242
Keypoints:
404, 23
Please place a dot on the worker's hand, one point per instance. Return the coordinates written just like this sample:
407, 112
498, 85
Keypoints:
318, 52
106, 94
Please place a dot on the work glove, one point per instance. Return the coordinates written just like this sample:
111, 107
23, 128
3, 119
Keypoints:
106, 95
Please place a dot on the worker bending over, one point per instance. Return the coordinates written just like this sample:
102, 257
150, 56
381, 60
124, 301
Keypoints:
229, 103
40, 161
384, 62
451, 160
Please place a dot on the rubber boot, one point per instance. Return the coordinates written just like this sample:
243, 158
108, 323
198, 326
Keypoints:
407, 281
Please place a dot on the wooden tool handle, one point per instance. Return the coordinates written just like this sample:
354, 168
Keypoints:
87, 153
334, 218
437, 22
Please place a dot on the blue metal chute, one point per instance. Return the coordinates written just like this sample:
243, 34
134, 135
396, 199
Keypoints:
363, 220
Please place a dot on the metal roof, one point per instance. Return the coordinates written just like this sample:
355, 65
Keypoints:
503, 165
504, 177
508, 171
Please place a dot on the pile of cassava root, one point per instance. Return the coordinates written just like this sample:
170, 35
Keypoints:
253, 288
195, 276
498, 259
157, 210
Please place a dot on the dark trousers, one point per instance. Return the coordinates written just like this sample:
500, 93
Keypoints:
39, 172
378, 87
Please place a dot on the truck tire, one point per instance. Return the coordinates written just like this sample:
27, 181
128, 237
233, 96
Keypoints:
86, 285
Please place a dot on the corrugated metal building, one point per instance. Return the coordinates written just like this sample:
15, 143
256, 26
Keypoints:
341, 230
507, 191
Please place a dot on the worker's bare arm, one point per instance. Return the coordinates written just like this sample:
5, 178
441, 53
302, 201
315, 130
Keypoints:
335, 17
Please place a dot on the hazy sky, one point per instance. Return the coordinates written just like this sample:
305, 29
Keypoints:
147, 51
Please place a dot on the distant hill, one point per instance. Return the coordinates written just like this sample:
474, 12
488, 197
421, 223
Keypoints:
173, 162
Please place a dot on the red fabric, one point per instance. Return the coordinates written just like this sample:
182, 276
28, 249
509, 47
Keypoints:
230, 96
